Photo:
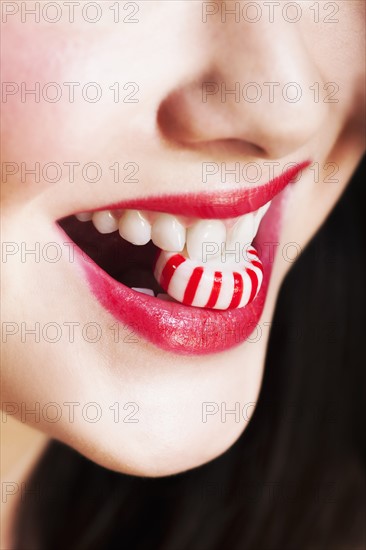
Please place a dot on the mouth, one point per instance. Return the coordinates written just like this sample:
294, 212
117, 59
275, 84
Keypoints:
187, 273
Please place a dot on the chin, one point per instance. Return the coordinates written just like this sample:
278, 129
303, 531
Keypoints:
165, 451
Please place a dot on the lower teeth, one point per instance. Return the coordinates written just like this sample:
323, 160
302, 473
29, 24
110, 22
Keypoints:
147, 291
150, 292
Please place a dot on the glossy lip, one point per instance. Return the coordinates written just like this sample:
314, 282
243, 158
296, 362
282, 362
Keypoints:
219, 205
187, 330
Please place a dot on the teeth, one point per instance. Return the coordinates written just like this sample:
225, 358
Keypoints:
168, 233
243, 231
191, 263
147, 291
259, 215
105, 222
134, 227
204, 239
84, 216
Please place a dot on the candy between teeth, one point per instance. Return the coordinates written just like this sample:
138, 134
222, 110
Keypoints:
214, 286
196, 276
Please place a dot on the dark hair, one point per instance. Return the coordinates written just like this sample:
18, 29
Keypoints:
294, 480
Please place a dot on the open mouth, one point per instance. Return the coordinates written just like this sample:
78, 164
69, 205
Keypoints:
191, 261
128, 264
188, 273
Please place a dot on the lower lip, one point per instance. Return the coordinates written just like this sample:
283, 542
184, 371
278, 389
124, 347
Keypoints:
182, 329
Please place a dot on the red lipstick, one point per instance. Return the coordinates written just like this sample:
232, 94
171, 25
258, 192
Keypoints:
219, 205
184, 329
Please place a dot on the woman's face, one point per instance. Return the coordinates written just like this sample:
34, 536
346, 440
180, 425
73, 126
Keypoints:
105, 103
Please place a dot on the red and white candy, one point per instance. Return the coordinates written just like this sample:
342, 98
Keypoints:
214, 285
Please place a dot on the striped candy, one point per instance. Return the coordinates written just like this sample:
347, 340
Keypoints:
211, 285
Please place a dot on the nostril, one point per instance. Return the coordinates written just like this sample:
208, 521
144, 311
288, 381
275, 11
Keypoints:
171, 121
269, 129
186, 125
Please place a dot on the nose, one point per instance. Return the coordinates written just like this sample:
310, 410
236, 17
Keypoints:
254, 95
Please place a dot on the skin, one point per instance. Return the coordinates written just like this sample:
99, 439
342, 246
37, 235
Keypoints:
170, 132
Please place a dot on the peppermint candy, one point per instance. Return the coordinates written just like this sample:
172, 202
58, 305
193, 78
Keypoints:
213, 285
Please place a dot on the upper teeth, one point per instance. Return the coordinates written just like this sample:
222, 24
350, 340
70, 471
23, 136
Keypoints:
203, 239
205, 236
134, 227
105, 222
168, 233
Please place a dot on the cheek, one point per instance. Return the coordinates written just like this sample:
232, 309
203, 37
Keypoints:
42, 122
42, 138
338, 49
27, 118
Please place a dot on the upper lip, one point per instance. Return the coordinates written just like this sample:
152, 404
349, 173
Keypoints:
218, 205
184, 329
